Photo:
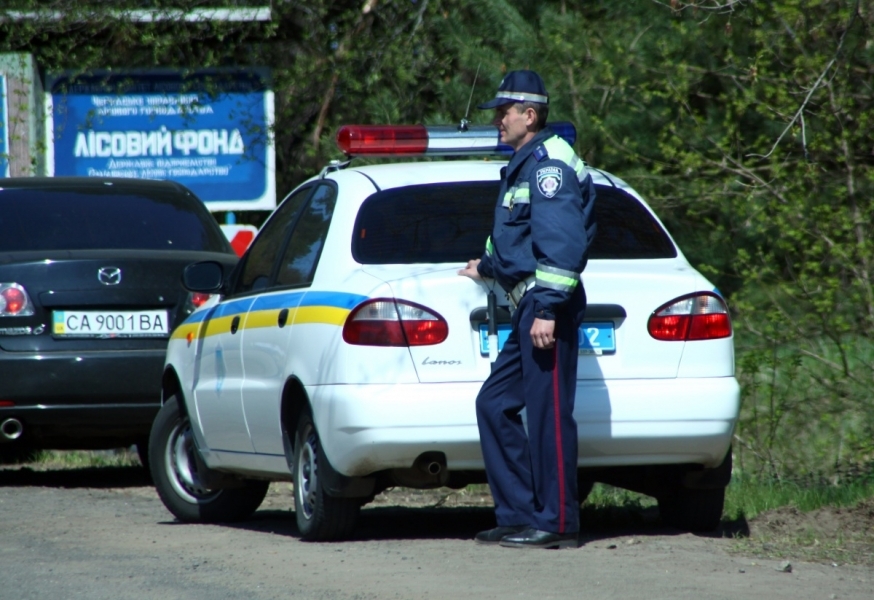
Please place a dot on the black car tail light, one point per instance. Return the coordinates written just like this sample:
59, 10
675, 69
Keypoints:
701, 316
14, 301
196, 300
387, 322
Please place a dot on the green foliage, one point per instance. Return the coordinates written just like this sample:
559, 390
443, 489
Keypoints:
746, 124
747, 497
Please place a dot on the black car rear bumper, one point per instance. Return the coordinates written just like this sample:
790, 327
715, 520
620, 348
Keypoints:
81, 399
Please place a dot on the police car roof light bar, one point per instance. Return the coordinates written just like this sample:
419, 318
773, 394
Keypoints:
441, 140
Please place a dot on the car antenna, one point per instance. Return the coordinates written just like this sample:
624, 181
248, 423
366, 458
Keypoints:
463, 126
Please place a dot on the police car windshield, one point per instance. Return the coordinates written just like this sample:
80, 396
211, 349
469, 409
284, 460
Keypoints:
449, 222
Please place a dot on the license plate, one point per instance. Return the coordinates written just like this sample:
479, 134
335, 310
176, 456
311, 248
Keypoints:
121, 323
595, 337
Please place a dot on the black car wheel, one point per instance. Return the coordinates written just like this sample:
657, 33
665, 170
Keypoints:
177, 475
320, 517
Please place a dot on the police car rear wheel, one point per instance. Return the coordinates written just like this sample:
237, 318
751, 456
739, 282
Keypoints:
178, 478
320, 517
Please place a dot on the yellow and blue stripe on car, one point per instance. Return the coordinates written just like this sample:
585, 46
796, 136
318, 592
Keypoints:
330, 308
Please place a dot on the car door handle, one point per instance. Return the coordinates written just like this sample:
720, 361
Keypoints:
235, 324
283, 318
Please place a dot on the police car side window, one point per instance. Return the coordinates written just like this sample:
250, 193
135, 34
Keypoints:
301, 256
261, 257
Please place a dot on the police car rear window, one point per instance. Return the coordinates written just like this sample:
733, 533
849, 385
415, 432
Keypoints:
449, 222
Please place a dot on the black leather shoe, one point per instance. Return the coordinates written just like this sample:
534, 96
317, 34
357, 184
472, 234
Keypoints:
493, 536
535, 538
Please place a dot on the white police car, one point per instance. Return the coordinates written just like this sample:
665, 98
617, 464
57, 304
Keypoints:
345, 353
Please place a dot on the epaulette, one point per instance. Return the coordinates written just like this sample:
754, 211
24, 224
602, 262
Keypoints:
540, 153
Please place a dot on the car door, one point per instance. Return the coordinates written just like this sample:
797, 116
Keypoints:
269, 331
218, 391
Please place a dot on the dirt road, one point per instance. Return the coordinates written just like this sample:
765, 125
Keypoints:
103, 533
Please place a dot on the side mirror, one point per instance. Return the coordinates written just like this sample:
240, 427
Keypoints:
204, 277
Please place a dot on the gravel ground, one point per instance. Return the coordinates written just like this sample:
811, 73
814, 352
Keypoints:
103, 533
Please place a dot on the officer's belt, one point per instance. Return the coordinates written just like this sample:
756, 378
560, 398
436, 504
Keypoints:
515, 295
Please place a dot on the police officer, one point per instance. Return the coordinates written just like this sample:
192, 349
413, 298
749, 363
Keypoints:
536, 253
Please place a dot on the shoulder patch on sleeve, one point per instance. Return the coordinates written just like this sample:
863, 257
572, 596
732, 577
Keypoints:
549, 181
540, 153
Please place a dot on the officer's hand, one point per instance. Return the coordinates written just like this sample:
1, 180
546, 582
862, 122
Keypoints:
542, 334
470, 270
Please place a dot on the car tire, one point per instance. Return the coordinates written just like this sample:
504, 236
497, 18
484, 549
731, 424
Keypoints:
320, 517
696, 510
179, 482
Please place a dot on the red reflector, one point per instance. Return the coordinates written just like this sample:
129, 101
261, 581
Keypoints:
6, 403
386, 322
696, 317
382, 140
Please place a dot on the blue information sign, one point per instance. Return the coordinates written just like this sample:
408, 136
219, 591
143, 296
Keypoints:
210, 131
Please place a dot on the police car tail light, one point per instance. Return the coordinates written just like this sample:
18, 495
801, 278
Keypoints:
14, 301
438, 140
695, 317
386, 322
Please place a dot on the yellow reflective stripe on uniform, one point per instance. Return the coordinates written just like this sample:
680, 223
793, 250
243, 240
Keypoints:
556, 279
518, 194
490, 247
559, 149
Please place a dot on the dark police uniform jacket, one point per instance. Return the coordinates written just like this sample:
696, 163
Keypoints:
544, 223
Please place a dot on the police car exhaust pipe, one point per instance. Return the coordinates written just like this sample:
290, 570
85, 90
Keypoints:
11, 429
434, 468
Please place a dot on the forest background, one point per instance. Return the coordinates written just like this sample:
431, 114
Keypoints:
747, 124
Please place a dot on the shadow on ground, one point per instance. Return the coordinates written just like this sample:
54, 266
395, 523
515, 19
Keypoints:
86, 477
462, 523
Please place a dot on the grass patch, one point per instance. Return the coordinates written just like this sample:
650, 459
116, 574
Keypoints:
49, 460
747, 497
607, 496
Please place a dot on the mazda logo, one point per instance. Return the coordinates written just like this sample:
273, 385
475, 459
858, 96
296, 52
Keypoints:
109, 275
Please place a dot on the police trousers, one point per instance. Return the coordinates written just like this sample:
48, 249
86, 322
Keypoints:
533, 474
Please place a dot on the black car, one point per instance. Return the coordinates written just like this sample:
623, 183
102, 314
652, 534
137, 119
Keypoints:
90, 290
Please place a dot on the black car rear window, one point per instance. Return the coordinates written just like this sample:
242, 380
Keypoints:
450, 222
98, 219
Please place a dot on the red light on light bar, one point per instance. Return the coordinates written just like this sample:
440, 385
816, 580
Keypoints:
432, 140
382, 140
